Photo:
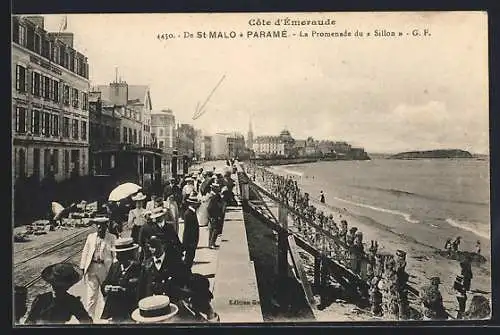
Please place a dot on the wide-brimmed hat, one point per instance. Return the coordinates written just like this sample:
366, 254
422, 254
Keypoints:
189, 179
156, 308
100, 220
158, 212
124, 244
215, 184
139, 196
62, 274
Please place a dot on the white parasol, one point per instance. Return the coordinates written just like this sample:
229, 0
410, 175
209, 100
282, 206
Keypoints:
123, 191
56, 208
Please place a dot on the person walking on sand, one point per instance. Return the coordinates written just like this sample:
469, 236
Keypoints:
466, 272
456, 244
322, 197
478, 247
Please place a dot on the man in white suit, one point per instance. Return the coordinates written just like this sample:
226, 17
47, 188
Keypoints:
97, 257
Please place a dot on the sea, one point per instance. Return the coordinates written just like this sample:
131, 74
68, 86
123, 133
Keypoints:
423, 197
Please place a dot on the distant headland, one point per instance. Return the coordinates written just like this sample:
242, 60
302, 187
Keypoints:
441, 153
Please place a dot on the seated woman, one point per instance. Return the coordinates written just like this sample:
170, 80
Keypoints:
58, 306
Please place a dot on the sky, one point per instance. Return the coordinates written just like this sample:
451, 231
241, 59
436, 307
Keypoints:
383, 94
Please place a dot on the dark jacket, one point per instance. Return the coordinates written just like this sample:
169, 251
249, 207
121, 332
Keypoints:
191, 234
205, 186
172, 276
215, 207
46, 309
120, 305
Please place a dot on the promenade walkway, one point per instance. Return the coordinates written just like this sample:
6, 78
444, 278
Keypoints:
229, 269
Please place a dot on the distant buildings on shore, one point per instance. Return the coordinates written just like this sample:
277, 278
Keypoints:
284, 145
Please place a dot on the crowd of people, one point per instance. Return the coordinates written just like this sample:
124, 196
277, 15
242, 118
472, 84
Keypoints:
148, 276
385, 273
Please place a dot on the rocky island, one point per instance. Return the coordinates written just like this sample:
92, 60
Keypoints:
446, 153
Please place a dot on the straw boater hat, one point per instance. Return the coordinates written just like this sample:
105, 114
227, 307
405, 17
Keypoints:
100, 220
154, 309
62, 274
124, 244
139, 197
158, 212
188, 179
215, 184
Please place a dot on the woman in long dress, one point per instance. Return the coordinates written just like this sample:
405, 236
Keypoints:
202, 212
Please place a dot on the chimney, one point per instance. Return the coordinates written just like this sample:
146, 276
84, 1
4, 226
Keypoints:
38, 20
118, 93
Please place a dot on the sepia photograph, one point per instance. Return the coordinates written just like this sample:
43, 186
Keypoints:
250, 168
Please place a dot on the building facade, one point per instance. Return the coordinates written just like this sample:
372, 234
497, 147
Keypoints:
282, 145
198, 145
163, 131
236, 146
134, 105
185, 140
50, 117
207, 147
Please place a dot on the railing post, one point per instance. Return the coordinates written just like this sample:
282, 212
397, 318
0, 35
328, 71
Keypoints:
317, 274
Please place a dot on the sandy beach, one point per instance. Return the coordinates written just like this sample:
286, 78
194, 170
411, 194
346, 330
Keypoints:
423, 261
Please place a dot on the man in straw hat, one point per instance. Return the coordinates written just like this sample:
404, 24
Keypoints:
97, 257
215, 214
121, 285
191, 233
164, 272
136, 218
158, 226
155, 309
58, 306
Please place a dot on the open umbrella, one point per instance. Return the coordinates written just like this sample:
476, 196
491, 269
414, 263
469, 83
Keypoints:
56, 208
123, 191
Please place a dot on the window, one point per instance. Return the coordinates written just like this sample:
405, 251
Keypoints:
66, 162
66, 95
130, 138
125, 133
84, 130
65, 129
61, 53
22, 163
55, 160
74, 95
21, 82
75, 129
161, 131
56, 90
85, 101
135, 136
22, 35
45, 48
47, 161
21, 120
71, 56
161, 144
55, 53
46, 88
48, 124
55, 125
35, 83
38, 43
36, 162
30, 38
35, 122
66, 59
